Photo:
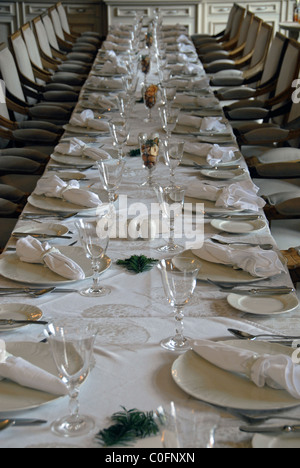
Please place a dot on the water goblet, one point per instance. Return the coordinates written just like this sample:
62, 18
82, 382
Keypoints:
169, 118
173, 154
72, 348
94, 237
179, 278
145, 64
168, 91
111, 173
149, 147
119, 130
171, 200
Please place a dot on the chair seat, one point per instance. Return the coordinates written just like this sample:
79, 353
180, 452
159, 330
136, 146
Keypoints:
7, 227
293, 263
25, 183
28, 153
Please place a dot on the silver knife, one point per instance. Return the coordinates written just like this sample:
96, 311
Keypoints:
25, 422
216, 168
260, 292
16, 322
39, 235
271, 429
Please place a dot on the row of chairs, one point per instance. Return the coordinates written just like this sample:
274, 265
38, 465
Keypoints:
254, 74
43, 67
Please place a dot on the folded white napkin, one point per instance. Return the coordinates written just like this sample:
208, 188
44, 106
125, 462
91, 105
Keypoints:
54, 187
193, 101
100, 82
185, 69
197, 149
254, 260
276, 371
212, 124
241, 196
114, 66
218, 154
108, 45
76, 147
87, 119
28, 375
30, 250
190, 121
101, 101
116, 39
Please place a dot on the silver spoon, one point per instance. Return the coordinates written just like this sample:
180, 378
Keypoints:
247, 336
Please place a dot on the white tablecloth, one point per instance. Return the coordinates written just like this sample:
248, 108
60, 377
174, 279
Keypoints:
131, 369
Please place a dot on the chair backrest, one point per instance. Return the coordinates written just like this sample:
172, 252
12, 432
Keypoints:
42, 37
21, 55
48, 24
32, 45
63, 17
262, 44
237, 21
253, 32
9, 72
274, 58
245, 28
56, 22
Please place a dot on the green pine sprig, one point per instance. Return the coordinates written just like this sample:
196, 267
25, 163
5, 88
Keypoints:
138, 263
128, 426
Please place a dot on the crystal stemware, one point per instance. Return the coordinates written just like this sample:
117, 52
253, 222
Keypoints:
119, 130
171, 200
111, 173
173, 154
149, 147
169, 92
169, 118
94, 237
145, 64
179, 283
150, 99
72, 348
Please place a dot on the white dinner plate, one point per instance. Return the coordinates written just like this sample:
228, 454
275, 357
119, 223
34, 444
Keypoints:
58, 205
284, 441
12, 268
14, 397
83, 130
204, 381
239, 227
268, 305
217, 271
72, 160
50, 229
223, 175
18, 312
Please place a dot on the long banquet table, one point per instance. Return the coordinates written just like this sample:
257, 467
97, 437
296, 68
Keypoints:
130, 368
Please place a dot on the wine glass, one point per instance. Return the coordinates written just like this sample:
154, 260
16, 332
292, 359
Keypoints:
179, 277
119, 130
169, 118
150, 99
171, 200
72, 348
168, 91
94, 237
186, 427
173, 154
149, 147
111, 172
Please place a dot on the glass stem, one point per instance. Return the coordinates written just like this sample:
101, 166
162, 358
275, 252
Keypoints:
179, 316
73, 401
96, 276
171, 242
172, 177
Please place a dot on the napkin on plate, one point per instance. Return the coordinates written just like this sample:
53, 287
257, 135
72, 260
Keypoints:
218, 154
31, 250
100, 82
190, 121
114, 67
241, 196
26, 374
254, 260
101, 101
108, 45
54, 187
76, 147
212, 124
87, 119
276, 371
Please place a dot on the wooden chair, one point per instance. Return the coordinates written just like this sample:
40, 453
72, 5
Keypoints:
292, 256
71, 35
